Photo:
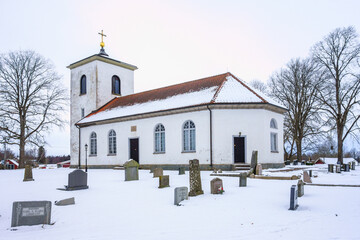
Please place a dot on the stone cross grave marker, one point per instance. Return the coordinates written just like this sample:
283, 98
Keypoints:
242, 179
254, 160
158, 172
195, 178
306, 177
28, 176
180, 193
31, 213
300, 187
181, 170
164, 181
258, 169
216, 186
293, 198
131, 170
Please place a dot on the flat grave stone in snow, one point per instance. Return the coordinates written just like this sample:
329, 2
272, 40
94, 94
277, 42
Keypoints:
180, 194
31, 213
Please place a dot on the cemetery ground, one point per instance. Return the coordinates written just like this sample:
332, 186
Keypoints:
114, 209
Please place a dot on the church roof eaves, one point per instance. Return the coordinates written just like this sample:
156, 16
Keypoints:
103, 59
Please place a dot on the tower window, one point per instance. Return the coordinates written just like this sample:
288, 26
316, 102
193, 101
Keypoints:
82, 112
116, 88
83, 85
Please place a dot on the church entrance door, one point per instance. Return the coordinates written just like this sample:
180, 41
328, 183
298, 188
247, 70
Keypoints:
239, 149
134, 149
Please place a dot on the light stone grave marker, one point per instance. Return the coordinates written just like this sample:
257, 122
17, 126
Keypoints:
300, 187
338, 169
131, 170
180, 194
65, 202
353, 166
28, 176
306, 177
216, 186
254, 160
164, 181
158, 172
31, 213
195, 178
242, 179
293, 198
258, 169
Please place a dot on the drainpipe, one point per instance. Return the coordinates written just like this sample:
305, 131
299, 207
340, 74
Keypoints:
211, 152
79, 147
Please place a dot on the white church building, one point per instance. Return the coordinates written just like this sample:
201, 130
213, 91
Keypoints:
219, 120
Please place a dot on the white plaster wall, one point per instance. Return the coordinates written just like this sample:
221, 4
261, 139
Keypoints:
145, 132
254, 125
98, 92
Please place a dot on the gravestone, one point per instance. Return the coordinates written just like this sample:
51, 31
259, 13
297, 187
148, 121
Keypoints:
216, 186
195, 178
242, 179
219, 171
254, 160
31, 213
180, 193
158, 172
28, 176
331, 168
131, 170
164, 181
64, 202
293, 198
295, 162
287, 162
77, 180
300, 187
306, 177
181, 170
310, 173
353, 166
346, 168
152, 169
338, 168
258, 169
303, 162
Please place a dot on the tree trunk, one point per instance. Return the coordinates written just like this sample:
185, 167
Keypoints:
22, 143
340, 144
298, 151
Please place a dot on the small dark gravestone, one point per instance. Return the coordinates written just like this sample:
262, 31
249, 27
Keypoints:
287, 162
353, 166
306, 177
242, 179
310, 173
331, 168
158, 172
338, 168
181, 170
254, 160
180, 193
195, 178
293, 198
216, 186
164, 181
258, 169
28, 176
64, 202
303, 162
300, 187
346, 168
77, 180
295, 162
31, 213
131, 170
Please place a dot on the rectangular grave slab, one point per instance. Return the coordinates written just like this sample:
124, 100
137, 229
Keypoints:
31, 213
300, 186
331, 168
158, 172
131, 170
216, 186
180, 194
77, 180
164, 181
258, 169
293, 198
306, 177
346, 167
243, 179
338, 169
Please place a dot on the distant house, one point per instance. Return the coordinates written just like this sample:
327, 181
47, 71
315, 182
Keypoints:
323, 160
64, 164
11, 164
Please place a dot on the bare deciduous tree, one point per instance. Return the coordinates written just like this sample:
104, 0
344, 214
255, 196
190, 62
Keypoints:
32, 99
295, 87
338, 55
258, 85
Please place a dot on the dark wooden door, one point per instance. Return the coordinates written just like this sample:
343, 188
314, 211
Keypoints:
239, 150
134, 149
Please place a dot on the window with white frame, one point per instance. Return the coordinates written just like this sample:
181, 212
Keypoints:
159, 138
189, 136
273, 142
93, 144
112, 142
273, 124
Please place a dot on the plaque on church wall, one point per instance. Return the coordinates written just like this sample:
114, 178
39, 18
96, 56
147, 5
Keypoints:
133, 128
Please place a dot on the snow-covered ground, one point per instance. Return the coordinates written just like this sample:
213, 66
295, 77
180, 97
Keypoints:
114, 209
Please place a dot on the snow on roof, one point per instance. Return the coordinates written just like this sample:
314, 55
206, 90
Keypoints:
13, 162
223, 88
334, 160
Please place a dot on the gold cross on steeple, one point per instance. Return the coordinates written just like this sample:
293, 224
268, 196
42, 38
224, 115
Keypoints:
102, 44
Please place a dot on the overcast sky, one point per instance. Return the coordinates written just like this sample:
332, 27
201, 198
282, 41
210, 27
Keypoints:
172, 41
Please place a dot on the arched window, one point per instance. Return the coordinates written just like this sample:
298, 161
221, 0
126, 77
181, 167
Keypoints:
93, 144
273, 124
116, 88
159, 138
112, 142
83, 84
189, 136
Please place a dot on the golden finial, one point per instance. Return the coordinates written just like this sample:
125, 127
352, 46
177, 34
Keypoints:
102, 44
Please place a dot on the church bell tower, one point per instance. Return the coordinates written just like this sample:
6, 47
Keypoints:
95, 80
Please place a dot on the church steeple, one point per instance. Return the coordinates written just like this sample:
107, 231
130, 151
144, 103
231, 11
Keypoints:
102, 44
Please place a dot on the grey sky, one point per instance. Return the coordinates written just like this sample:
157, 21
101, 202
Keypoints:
172, 41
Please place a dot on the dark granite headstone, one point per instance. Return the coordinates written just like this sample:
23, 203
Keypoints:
295, 162
180, 193
243, 179
31, 213
331, 168
293, 198
310, 173
131, 170
346, 168
164, 181
300, 187
181, 170
254, 160
77, 180
303, 162
195, 178
28, 176
287, 162
216, 186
